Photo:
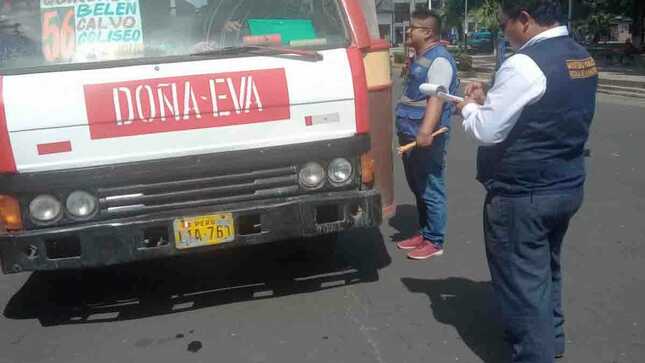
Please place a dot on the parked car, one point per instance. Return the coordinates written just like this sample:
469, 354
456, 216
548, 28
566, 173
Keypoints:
481, 41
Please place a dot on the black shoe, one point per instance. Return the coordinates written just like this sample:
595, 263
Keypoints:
559, 355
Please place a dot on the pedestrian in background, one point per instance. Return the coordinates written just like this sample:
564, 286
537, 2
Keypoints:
532, 125
417, 117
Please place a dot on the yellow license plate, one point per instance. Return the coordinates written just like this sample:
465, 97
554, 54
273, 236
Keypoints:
206, 230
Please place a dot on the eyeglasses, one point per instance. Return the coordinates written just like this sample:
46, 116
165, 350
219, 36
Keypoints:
413, 27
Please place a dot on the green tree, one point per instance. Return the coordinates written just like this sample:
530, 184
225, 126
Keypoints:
486, 15
599, 25
591, 14
454, 12
612, 7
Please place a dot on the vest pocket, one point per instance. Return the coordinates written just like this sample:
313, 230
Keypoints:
410, 113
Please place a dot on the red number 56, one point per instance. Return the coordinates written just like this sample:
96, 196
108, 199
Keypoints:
59, 38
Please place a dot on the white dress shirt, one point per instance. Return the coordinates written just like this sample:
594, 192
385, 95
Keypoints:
518, 83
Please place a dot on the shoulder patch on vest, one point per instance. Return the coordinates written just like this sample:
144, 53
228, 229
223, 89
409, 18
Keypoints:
582, 68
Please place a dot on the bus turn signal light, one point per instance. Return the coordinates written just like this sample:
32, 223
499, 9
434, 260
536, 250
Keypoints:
367, 169
10, 217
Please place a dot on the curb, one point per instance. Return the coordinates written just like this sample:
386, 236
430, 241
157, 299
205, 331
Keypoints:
622, 83
624, 88
616, 91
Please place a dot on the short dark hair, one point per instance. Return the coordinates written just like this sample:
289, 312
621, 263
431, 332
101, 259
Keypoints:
424, 13
545, 12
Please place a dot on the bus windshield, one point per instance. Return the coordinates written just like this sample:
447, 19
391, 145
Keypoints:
42, 33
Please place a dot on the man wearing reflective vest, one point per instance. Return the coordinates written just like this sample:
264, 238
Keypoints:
532, 126
417, 118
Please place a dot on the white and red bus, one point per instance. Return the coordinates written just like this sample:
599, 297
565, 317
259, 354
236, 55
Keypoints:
141, 129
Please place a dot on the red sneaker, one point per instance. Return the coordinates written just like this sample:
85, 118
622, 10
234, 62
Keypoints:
411, 243
425, 251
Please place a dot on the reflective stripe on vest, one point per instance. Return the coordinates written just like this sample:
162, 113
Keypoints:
423, 62
405, 100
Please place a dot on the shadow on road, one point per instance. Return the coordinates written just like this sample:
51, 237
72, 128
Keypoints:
468, 306
189, 283
405, 222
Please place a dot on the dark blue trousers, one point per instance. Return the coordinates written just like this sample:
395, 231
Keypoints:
425, 171
523, 241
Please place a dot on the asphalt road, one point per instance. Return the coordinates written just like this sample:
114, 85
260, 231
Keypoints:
363, 302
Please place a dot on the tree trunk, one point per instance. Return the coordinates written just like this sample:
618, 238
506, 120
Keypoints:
637, 25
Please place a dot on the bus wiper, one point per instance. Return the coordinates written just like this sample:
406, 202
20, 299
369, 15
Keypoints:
311, 55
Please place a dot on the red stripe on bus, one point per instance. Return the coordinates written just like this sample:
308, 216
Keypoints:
360, 32
7, 161
379, 44
359, 79
200, 101
54, 148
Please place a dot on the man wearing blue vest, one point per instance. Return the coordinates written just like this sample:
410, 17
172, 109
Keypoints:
417, 117
532, 126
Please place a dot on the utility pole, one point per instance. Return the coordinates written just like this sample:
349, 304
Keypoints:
637, 23
466, 25
571, 17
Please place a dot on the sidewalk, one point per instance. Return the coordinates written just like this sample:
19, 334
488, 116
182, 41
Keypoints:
622, 82
628, 81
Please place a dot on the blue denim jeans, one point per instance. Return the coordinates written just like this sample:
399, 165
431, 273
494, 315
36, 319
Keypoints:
523, 241
424, 170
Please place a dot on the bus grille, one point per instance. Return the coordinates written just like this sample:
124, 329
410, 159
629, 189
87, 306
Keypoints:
197, 192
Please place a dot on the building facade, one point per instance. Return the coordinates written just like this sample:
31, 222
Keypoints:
385, 12
394, 16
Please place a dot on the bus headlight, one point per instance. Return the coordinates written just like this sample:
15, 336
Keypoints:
45, 208
340, 171
312, 176
81, 204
